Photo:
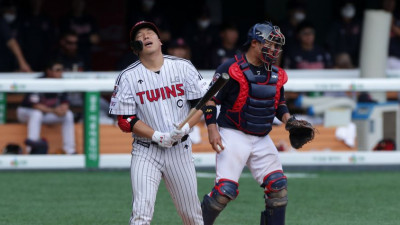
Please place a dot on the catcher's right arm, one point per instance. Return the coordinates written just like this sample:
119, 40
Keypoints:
300, 132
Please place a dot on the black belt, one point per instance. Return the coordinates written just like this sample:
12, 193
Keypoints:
147, 144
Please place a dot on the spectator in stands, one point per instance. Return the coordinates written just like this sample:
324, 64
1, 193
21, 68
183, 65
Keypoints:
11, 56
228, 47
127, 59
343, 61
48, 108
85, 26
345, 34
69, 56
306, 54
394, 43
201, 36
179, 48
68, 53
296, 13
10, 14
36, 34
149, 10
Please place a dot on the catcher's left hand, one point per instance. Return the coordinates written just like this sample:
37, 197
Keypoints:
300, 132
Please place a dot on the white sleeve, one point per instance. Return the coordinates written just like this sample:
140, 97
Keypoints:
194, 84
122, 100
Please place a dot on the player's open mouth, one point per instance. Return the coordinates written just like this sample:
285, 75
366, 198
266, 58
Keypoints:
148, 44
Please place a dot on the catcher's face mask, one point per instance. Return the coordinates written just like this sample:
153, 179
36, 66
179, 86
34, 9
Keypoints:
271, 45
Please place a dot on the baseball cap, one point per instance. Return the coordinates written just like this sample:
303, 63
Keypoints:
142, 24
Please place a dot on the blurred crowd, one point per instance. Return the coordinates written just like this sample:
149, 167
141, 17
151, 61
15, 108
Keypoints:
29, 37
32, 41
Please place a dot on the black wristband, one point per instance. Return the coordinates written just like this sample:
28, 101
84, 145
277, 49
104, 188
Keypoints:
210, 114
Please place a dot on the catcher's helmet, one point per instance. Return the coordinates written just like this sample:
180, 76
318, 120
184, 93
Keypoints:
267, 34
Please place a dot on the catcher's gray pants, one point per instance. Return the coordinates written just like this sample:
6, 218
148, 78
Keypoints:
151, 163
35, 118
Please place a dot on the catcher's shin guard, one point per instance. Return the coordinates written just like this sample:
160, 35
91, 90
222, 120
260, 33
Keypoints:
223, 192
273, 216
275, 188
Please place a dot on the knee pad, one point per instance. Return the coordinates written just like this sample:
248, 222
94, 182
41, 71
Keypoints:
225, 191
222, 193
275, 188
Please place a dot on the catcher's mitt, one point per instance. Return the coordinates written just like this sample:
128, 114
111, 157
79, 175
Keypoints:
300, 132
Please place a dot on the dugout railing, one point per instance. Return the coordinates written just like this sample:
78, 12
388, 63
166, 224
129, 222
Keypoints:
94, 83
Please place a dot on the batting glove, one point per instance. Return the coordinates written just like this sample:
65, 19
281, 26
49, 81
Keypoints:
177, 134
162, 139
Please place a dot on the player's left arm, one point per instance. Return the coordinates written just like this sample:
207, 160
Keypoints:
195, 88
282, 112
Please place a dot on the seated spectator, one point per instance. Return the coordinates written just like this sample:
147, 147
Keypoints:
68, 53
85, 26
150, 10
393, 61
345, 34
296, 13
343, 61
201, 36
127, 59
306, 54
228, 47
36, 34
11, 56
179, 48
69, 56
48, 108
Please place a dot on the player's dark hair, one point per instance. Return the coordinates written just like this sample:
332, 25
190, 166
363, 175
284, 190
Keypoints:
296, 4
303, 25
227, 25
68, 33
51, 63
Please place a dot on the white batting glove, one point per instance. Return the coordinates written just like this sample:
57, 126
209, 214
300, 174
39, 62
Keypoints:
177, 134
162, 139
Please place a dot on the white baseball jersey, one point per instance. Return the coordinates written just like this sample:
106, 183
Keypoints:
160, 100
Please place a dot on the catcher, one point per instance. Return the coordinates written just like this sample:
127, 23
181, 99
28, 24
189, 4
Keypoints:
249, 102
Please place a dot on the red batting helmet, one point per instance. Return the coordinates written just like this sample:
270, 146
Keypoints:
141, 24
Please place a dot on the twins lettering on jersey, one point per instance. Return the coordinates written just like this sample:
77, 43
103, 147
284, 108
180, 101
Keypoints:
163, 93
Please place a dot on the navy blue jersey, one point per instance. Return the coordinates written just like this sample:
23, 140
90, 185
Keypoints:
50, 100
316, 58
227, 96
7, 58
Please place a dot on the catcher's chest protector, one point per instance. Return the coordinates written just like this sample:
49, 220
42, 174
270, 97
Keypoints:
254, 109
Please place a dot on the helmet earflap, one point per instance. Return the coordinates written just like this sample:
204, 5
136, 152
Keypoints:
136, 46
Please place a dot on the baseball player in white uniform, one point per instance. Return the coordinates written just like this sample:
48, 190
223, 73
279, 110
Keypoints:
151, 97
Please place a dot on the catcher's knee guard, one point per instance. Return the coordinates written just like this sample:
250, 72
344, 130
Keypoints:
275, 188
222, 193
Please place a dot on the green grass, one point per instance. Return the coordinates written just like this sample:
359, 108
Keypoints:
104, 197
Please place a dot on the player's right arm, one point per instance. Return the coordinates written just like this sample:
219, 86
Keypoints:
210, 112
131, 123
